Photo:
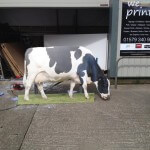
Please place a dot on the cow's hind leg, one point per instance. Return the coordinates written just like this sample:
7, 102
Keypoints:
72, 85
29, 82
40, 87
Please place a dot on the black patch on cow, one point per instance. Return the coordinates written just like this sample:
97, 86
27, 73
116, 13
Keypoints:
62, 57
89, 64
94, 71
103, 85
78, 54
28, 51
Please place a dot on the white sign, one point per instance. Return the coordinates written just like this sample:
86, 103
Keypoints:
135, 29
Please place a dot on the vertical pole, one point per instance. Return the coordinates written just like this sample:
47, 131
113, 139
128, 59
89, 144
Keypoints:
1, 70
116, 75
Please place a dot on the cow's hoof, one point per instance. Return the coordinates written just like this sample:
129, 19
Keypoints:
26, 99
105, 96
71, 96
87, 97
44, 97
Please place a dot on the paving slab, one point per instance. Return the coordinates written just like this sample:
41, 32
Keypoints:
123, 123
14, 120
14, 124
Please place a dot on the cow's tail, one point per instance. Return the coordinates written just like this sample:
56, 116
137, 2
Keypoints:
25, 75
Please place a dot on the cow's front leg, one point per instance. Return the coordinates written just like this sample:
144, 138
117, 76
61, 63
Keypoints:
83, 80
72, 85
85, 90
40, 87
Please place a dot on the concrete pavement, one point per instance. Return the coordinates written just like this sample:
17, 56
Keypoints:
123, 123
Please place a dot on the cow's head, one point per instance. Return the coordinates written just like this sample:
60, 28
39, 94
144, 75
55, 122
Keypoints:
103, 87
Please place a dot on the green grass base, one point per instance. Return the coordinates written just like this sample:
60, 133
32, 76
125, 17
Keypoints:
55, 99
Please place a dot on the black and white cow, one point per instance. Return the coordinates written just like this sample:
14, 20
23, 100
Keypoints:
63, 63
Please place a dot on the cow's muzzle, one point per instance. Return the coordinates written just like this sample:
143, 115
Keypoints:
104, 96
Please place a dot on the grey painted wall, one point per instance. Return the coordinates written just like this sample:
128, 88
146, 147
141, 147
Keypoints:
28, 17
48, 17
52, 3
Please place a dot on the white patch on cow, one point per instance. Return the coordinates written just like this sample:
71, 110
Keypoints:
24, 77
96, 84
104, 96
40, 87
40, 71
42, 77
84, 85
40, 58
72, 85
75, 63
89, 81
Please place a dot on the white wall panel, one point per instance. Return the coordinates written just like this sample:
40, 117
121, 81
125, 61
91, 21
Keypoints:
97, 43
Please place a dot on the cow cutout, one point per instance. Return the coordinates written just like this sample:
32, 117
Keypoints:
61, 63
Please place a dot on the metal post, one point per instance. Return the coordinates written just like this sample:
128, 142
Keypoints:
116, 75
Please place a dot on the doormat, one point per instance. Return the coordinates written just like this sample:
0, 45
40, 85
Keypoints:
56, 99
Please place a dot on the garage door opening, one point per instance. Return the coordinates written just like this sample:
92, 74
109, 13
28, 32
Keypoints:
28, 26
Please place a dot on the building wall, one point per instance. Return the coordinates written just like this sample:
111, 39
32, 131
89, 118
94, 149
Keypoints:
128, 67
53, 16
53, 3
139, 67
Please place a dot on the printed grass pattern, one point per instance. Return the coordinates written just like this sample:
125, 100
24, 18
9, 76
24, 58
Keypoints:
56, 99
